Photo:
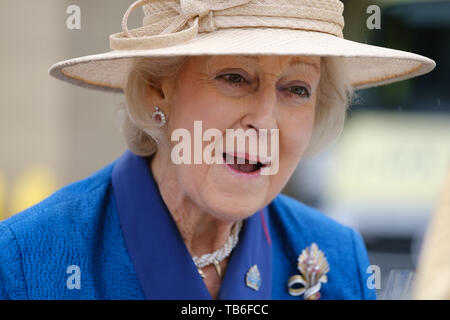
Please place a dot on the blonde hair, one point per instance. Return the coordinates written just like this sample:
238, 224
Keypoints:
335, 94
143, 135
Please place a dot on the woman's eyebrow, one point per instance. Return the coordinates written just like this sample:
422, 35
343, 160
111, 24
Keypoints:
295, 64
299, 62
303, 68
296, 61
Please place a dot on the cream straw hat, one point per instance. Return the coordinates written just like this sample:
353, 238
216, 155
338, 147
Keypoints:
240, 27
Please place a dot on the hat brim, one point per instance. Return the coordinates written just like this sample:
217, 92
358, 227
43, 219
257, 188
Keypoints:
368, 65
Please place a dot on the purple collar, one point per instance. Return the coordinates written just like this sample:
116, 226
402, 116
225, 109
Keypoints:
161, 260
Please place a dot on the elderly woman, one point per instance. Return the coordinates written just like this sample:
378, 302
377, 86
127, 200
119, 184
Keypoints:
179, 219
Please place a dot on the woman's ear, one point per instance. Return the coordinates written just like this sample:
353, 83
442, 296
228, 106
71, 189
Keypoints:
156, 97
155, 94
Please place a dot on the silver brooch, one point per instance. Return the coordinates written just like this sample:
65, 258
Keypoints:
253, 278
313, 267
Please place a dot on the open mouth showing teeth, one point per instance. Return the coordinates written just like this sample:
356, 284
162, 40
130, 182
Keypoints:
244, 165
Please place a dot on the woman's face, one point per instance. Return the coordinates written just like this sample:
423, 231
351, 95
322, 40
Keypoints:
249, 93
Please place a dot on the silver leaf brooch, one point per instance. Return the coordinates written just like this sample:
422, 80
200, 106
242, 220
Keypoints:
313, 267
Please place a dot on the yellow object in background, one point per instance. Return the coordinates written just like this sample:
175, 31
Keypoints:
2, 197
31, 187
390, 159
433, 272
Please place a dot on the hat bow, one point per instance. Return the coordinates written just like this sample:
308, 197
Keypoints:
168, 23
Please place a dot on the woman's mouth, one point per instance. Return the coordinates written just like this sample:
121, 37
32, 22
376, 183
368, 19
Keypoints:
243, 164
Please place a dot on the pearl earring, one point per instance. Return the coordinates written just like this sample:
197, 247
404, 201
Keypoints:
159, 117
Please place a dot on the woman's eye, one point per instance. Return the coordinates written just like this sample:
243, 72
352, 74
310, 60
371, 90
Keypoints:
233, 78
300, 91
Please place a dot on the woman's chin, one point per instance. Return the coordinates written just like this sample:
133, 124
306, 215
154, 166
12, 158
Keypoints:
230, 202
234, 212
230, 195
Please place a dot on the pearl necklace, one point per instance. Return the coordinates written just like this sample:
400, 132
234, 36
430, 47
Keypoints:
219, 255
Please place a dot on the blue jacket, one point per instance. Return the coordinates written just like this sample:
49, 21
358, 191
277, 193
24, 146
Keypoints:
110, 236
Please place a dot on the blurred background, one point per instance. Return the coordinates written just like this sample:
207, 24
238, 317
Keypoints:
383, 177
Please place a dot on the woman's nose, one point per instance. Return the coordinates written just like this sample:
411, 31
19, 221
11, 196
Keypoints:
262, 111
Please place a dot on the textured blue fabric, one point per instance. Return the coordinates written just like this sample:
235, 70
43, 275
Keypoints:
294, 227
79, 225
148, 227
